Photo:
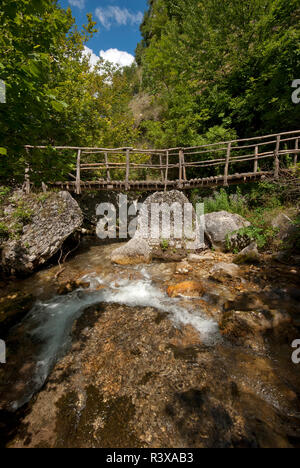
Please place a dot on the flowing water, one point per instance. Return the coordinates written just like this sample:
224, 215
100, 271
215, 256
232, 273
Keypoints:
231, 386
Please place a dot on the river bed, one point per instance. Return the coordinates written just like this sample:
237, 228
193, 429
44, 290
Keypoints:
121, 364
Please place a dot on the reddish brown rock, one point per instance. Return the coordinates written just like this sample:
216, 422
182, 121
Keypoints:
187, 288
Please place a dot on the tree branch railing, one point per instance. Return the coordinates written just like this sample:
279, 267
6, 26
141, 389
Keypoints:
177, 166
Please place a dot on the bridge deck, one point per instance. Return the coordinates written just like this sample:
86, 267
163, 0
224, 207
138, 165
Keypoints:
156, 185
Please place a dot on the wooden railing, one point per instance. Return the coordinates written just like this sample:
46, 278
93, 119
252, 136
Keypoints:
153, 169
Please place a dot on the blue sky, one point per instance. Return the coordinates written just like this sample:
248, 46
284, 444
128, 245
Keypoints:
118, 23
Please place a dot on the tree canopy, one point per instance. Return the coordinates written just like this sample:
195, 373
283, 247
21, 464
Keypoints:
220, 67
205, 71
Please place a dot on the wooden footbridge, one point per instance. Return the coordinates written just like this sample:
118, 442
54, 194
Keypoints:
129, 169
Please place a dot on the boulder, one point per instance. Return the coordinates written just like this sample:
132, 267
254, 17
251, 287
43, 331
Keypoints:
159, 232
285, 226
52, 223
249, 255
219, 225
224, 271
180, 235
136, 251
187, 289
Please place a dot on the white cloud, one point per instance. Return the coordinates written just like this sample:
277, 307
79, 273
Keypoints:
115, 56
78, 3
116, 15
93, 58
118, 57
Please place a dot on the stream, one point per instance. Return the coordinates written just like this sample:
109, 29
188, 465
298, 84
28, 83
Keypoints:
119, 363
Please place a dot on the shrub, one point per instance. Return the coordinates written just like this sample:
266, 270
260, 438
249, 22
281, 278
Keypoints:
4, 231
23, 214
4, 192
222, 201
164, 244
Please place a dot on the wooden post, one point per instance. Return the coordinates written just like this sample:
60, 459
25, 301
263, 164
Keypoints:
161, 169
183, 165
296, 154
180, 167
78, 185
256, 160
167, 170
227, 165
107, 168
127, 168
276, 154
27, 172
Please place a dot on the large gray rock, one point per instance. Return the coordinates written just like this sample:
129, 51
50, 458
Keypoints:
219, 225
286, 227
53, 221
157, 226
184, 231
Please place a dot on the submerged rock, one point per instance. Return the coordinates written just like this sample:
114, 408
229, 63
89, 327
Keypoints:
250, 320
219, 225
186, 288
70, 286
53, 221
12, 310
224, 271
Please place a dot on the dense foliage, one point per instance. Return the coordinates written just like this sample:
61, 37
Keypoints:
220, 68
53, 95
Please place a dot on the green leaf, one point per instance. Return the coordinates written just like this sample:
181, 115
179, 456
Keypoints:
59, 106
3, 151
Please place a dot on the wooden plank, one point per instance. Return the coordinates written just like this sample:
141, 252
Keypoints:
227, 165
276, 155
78, 185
